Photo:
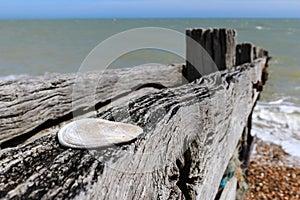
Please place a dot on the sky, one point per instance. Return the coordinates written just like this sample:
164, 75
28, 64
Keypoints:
149, 9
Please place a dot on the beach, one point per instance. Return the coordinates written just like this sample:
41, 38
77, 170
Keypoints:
272, 173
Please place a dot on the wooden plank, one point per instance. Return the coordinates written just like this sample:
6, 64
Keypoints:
30, 105
246, 53
188, 134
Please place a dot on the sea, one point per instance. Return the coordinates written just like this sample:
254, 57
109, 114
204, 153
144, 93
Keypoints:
41, 46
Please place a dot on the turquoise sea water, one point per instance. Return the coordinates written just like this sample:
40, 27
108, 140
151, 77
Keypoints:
35, 47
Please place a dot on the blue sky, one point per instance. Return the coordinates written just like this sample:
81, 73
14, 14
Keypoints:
148, 8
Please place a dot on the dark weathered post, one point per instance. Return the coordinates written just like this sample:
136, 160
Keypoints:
244, 53
217, 51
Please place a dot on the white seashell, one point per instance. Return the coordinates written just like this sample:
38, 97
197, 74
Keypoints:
94, 133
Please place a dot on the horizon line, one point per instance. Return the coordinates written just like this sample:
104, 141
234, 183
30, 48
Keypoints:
53, 18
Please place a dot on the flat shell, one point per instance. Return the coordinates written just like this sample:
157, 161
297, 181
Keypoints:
94, 133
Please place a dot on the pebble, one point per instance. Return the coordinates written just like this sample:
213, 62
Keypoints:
270, 176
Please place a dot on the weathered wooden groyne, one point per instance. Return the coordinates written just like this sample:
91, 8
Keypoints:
192, 123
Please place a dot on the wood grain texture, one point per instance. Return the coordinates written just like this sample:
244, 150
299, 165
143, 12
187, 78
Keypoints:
209, 49
182, 153
27, 104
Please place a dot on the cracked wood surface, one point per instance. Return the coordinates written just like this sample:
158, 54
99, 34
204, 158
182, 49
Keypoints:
182, 153
34, 104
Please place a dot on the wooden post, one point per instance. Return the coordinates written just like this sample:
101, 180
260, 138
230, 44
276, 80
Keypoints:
247, 53
217, 51
244, 53
259, 52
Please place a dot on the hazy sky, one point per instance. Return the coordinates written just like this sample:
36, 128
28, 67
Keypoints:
147, 8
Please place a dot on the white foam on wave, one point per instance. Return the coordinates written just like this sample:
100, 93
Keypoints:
262, 28
279, 101
13, 77
278, 122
